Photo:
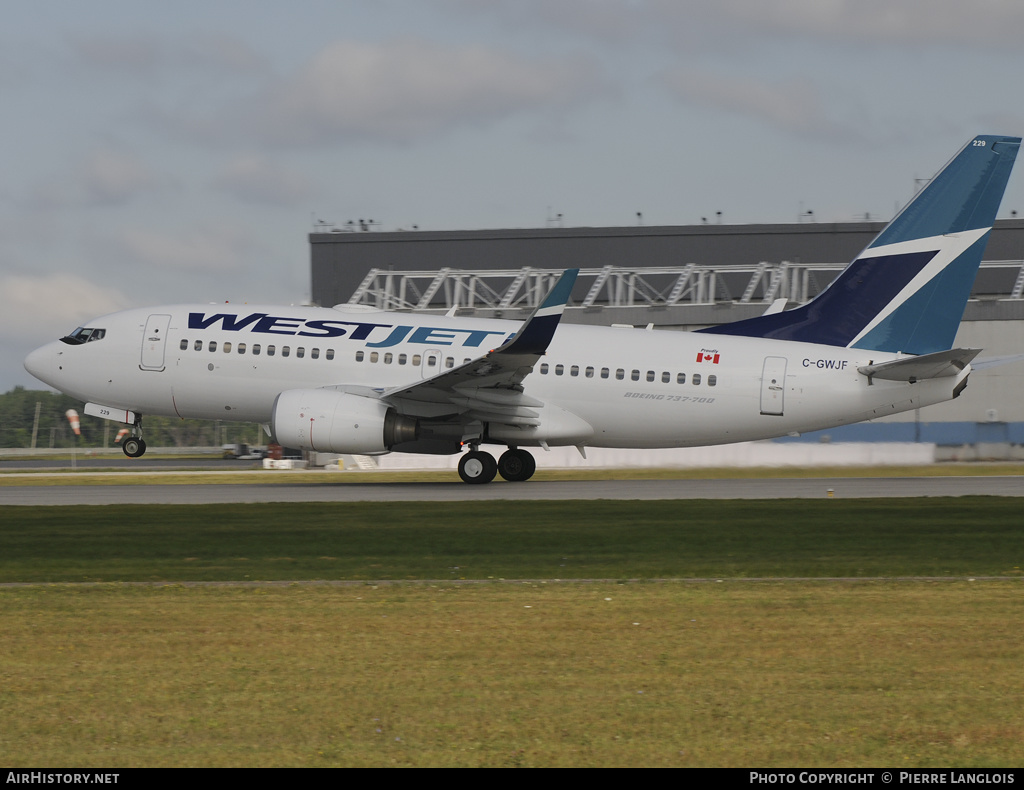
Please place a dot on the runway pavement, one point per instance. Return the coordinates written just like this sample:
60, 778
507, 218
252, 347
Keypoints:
814, 488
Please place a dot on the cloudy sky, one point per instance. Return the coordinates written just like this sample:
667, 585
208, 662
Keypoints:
164, 152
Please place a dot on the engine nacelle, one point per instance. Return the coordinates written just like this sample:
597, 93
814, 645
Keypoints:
338, 422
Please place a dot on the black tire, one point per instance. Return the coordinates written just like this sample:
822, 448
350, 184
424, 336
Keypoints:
516, 465
133, 447
477, 467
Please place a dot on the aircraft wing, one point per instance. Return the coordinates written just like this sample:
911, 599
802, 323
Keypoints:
490, 387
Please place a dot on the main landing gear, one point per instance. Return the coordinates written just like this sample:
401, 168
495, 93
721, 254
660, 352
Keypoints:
514, 465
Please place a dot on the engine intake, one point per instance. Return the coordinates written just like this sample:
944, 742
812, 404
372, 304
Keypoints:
339, 422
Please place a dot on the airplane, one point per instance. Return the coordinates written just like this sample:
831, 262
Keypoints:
352, 379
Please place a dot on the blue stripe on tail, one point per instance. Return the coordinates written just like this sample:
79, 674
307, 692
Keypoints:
929, 319
841, 311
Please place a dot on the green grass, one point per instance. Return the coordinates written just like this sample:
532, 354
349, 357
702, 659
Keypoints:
782, 675
955, 537
777, 673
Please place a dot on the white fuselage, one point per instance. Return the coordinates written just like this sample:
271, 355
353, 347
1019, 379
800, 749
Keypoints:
628, 387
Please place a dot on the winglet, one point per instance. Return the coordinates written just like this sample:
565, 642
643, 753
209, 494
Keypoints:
535, 335
505, 367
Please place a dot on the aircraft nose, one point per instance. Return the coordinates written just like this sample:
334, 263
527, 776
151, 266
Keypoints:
40, 363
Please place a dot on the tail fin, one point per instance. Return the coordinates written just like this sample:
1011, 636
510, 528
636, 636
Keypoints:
907, 291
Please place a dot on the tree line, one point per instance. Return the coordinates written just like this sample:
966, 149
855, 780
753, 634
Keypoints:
18, 422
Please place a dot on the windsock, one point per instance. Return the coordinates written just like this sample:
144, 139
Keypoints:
72, 416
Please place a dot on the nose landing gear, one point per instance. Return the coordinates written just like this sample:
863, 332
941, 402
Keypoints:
133, 446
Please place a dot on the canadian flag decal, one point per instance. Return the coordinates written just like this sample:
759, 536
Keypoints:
705, 355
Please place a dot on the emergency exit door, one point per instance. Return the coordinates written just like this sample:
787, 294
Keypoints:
773, 386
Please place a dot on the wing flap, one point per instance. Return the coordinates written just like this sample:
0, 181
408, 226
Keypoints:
505, 418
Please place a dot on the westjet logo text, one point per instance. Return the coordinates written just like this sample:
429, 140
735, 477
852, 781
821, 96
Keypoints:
383, 335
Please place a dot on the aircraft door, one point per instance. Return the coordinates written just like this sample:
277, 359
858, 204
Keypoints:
154, 342
773, 385
431, 363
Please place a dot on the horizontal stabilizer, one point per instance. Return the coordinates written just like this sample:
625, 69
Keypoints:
928, 366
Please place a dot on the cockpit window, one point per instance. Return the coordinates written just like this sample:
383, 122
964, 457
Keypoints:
84, 335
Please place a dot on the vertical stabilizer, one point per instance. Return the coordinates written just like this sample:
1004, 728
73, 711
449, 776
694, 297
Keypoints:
907, 291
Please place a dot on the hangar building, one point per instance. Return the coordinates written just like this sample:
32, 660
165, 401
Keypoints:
683, 277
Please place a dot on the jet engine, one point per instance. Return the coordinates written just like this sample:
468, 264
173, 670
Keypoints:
339, 422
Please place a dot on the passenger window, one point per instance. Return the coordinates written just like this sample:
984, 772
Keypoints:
696, 379
574, 370
330, 353
374, 356
255, 349
449, 362
241, 348
666, 377
198, 345
315, 353
402, 359
559, 370
300, 352
359, 356
650, 375
184, 345
227, 348
213, 345
270, 351
543, 368
604, 373
712, 380
681, 378
286, 350
590, 373
620, 374
388, 358
431, 360
416, 359
635, 375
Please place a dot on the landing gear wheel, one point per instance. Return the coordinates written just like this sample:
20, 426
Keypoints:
516, 465
133, 447
477, 467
